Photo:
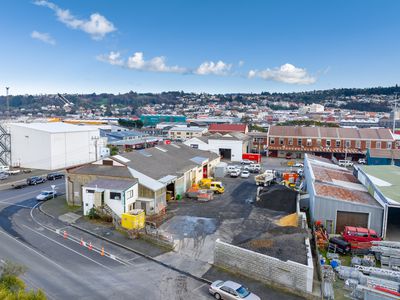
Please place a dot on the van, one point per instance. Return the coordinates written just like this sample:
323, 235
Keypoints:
345, 163
359, 234
4, 169
217, 187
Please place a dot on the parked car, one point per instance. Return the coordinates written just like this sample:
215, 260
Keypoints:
235, 173
298, 165
245, 174
345, 163
339, 245
4, 168
253, 168
46, 195
35, 180
233, 168
3, 176
359, 234
54, 176
230, 290
246, 162
19, 185
362, 161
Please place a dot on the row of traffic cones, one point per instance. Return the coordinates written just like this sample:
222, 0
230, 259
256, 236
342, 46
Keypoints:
82, 243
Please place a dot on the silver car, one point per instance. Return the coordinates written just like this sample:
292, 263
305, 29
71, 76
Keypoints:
46, 195
228, 290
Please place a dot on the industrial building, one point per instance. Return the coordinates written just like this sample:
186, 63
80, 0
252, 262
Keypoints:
383, 183
383, 157
338, 199
162, 172
230, 146
185, 133
50, 146
153, 120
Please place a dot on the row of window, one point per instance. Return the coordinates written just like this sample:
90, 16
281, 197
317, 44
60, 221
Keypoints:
328, 143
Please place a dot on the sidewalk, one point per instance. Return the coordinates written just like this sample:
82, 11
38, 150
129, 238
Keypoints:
179, 261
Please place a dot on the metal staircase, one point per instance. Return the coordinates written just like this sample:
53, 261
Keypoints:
5, 146
106, 210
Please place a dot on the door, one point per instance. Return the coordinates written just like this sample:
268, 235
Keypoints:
225, 153
346, 218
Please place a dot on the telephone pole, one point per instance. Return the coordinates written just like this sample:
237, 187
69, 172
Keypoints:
394, 113
8, 102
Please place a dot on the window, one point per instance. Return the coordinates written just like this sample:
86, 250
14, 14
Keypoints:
378, 145
298, 142
290, 141
90, 191
348, 144
358, 144
130, 194
389, 145
309, 142
115, 196
281, 141
328, 143
272, 141
337, 143
368, 144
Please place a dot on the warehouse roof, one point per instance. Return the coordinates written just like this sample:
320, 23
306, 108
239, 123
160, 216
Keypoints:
189, 129
112, 184
102, 170
386, 178
160, 161
334, 133
56, 127
227, 128
384, 153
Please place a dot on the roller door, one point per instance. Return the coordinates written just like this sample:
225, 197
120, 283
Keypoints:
346, 218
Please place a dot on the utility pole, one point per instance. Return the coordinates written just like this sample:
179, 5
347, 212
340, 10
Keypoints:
8, 102
394, 113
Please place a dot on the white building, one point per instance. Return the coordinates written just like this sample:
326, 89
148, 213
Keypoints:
230, 146
313, 108
185, 133
50, 146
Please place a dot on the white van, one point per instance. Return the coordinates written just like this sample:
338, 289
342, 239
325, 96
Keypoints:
4, 169
345, 163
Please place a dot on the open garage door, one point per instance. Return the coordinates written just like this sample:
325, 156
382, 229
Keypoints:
225, 153
393, 224
346, 218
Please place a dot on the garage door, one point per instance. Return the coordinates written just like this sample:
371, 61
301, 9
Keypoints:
345, 218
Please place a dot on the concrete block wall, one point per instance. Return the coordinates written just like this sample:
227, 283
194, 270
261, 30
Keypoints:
288, 274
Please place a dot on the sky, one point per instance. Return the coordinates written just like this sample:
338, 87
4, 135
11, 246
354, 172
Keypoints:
212, 46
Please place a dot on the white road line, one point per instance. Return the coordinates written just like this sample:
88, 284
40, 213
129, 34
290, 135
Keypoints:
68, 248
199, 287
12, 204
132, 259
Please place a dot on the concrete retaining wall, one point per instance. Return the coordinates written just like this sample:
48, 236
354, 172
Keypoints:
265, 268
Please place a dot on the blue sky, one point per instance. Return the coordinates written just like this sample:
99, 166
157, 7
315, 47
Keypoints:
200, 46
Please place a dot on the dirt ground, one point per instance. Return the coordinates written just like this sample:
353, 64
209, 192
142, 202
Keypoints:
233, 218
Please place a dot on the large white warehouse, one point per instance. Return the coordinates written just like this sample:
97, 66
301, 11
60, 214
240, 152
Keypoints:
51, 146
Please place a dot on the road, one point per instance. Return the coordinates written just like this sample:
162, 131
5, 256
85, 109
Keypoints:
65, 269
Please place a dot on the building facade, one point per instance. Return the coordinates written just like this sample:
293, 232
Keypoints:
185, 133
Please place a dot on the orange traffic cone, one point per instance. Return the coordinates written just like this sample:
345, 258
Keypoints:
82, 242
90, 247
65, 234
102, 251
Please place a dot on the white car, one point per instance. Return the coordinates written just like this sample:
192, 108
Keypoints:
245, 174
345, 163
362, 161
46, 195
246, 162
230, 290
298, 165
235, 173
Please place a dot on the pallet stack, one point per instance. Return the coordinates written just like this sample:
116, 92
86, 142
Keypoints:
388, 253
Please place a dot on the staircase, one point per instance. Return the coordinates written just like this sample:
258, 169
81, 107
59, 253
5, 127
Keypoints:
107, 211
5, 147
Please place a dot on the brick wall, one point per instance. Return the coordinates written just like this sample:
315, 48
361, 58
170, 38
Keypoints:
288, 274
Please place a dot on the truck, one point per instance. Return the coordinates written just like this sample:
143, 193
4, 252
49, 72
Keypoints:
265, 178
209, 183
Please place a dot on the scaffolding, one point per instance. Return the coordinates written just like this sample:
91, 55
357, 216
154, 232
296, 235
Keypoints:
5, 146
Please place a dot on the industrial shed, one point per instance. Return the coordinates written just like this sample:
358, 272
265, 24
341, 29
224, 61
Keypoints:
50, 146
338, 199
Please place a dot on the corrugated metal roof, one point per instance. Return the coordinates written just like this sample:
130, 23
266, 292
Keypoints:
56, 127
112, 184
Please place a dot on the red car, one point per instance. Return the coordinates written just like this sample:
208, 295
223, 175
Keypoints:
360, 235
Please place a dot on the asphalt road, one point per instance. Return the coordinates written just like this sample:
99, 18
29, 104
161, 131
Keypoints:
65, 269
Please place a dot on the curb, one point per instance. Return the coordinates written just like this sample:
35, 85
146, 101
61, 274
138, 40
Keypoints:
45, 213
143, 255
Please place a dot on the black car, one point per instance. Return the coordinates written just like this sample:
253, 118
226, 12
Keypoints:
35, 180
54, 176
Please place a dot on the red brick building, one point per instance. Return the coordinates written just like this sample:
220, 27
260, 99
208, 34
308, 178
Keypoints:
226, 128
294, 141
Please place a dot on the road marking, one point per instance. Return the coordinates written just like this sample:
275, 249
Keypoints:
132, 259
33, 250
12, 204
199, 287
66, 247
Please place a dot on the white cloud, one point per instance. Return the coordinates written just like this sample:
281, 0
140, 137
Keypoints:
113, 58
138, 62
210, 67
241, 63
44, 37
286, 73
97, 26
156, 64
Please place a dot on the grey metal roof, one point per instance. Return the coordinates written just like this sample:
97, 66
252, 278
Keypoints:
112, 184
158, 163
101, 170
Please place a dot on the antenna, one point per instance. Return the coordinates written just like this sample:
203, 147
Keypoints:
7, 100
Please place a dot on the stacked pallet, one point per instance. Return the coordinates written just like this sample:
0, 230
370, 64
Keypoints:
388, 253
